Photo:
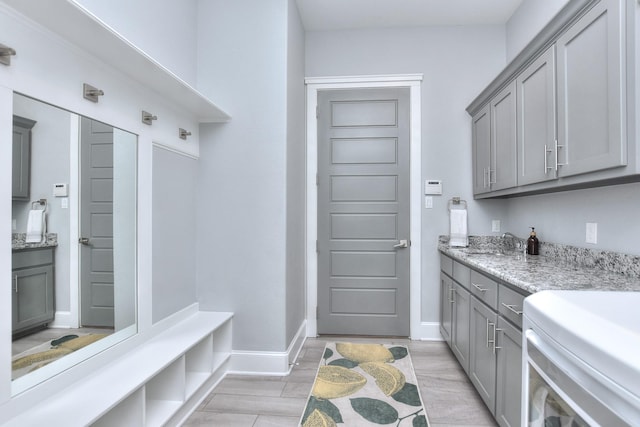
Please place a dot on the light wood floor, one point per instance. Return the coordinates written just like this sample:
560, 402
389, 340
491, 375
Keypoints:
252, 401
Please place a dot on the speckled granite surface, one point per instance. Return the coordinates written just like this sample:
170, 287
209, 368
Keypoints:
18, 241
558, 267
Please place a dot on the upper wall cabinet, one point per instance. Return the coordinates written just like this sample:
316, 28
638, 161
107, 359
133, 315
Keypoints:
590, 95
561, 115
536, 121
494, 148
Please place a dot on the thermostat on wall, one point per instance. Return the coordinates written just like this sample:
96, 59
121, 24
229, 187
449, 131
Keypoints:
60, 190
433, 186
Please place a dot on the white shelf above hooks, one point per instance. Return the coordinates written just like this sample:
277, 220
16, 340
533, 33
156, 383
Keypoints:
74, 23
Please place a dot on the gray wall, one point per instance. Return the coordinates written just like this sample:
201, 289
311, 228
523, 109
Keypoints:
295, 302
174, 231
527, 21
163, 29
242, 183
457, 62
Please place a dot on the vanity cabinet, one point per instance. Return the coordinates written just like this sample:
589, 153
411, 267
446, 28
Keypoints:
489, 342
21, 158
32, 289
574, 92
454, 313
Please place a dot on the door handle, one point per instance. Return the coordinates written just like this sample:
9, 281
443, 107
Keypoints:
83, 241
402, 244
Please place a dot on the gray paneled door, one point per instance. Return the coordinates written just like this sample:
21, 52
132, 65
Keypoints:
363, 212
96, 224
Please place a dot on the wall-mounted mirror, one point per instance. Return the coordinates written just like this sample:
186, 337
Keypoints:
73, 239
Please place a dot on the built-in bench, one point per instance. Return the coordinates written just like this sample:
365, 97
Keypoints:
158, 383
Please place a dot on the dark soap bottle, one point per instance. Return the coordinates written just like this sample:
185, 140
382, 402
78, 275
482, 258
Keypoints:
532, 243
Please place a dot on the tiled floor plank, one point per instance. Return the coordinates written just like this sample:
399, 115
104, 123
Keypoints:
258, 401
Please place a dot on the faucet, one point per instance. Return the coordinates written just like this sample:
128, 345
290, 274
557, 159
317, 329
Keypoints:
514, 237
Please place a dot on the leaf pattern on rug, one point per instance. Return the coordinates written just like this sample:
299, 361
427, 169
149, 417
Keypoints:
392, 400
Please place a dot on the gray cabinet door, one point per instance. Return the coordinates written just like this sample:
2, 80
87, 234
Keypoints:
536, 120
481, 147
446, 290
502, 173
460, 325
21, 158
591, 92
509, 375
32, 301
482, 354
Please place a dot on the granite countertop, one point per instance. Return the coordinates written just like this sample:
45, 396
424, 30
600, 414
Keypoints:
595, 271
18, 241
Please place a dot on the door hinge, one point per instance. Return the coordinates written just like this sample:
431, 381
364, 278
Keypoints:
317, 247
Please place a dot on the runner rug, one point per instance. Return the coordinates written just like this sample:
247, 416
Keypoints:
365, 385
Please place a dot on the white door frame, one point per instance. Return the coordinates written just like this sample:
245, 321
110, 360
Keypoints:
314, 84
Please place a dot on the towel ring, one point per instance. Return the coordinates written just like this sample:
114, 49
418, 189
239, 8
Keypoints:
456, 201
41, 202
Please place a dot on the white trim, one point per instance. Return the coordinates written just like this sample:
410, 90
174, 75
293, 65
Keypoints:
276, 363
413, 82
62, 319
175, 150
430, 331
74, 222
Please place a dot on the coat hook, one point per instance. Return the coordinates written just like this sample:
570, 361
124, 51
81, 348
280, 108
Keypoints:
147, 118
91, 93
5, 54
183, 133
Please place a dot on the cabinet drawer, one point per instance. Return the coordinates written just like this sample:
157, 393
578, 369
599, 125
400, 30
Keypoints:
462, 274
484, 289
32, 257
446, 264
510, 305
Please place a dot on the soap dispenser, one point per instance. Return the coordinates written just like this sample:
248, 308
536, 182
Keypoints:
532, 243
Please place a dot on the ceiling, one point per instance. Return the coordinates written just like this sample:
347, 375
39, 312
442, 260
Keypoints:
323, 15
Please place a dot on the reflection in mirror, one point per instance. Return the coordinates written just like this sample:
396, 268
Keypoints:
73, 239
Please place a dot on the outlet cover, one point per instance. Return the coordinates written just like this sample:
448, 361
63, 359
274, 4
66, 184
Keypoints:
592, 233
495, 225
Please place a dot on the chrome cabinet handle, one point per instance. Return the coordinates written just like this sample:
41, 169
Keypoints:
494, 174
452, 300
495, 330
484, 178
546, 162
478, 287
558, 147
15, 283
402, 244
488, 341
512, 308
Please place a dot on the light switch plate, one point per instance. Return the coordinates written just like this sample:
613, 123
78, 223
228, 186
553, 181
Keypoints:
592, 233
428, 202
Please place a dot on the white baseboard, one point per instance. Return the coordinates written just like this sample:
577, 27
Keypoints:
268, 362
62, 319
430, 331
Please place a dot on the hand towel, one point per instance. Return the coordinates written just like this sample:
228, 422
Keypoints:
458, 228
35, 226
